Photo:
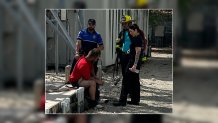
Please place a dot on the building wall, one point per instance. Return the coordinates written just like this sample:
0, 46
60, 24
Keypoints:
33, 61
107, 24
33, 56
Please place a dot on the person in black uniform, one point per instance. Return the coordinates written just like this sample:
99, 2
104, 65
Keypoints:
123, 42
131, 84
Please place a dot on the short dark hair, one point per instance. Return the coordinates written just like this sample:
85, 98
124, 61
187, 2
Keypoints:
92, 21
134, 26
94, 53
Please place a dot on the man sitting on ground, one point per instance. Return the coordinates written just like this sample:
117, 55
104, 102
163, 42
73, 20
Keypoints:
83, 74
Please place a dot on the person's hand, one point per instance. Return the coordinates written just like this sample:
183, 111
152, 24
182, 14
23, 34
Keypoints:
100, 82
97, 80
77, 56
133, 68
93, 78
117, 40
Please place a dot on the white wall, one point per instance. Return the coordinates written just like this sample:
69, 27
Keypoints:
108, 25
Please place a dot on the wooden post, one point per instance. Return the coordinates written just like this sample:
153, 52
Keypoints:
67, 72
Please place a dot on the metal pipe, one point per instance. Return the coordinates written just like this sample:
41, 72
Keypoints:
69, 39
19, 59
79, 17
33, 23
60, 33
56, 50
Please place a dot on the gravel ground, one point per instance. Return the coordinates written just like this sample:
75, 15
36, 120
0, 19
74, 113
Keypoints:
156, 88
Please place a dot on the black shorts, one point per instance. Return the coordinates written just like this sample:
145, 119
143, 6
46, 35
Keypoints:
75, 84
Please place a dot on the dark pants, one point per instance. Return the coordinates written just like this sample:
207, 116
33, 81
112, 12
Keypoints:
130, 85
73, 65
124, 59
97, 96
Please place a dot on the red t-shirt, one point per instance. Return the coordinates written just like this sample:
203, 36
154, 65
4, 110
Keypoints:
82, 69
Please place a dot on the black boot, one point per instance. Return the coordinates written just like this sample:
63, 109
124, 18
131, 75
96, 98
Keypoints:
119, 103
132, 103
97, 94
92, 103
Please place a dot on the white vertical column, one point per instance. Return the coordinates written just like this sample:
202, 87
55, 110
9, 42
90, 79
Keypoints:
147, 25
111, 35
56, 49
142, 16
19, 59
216, 32
114, 35
121, 14
132, 14
107, 38
1, 47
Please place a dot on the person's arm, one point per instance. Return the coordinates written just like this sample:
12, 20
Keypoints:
100, 43
137, 55
119, 42
93, 72
78, 46
94, 77
138, 49
100, 47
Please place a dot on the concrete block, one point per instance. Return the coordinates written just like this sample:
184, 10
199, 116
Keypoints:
71, 101
65, 105
52, 107
80, 99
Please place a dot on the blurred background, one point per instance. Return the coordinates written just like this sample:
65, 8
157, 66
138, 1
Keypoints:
72, 21
195, 47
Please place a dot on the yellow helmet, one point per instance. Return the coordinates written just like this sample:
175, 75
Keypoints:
141, 2
126, 18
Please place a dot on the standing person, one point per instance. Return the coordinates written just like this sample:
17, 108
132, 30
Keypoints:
124, 42
87, 40
83, 74
130, 83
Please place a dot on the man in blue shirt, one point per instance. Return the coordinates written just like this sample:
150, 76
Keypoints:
87, 40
